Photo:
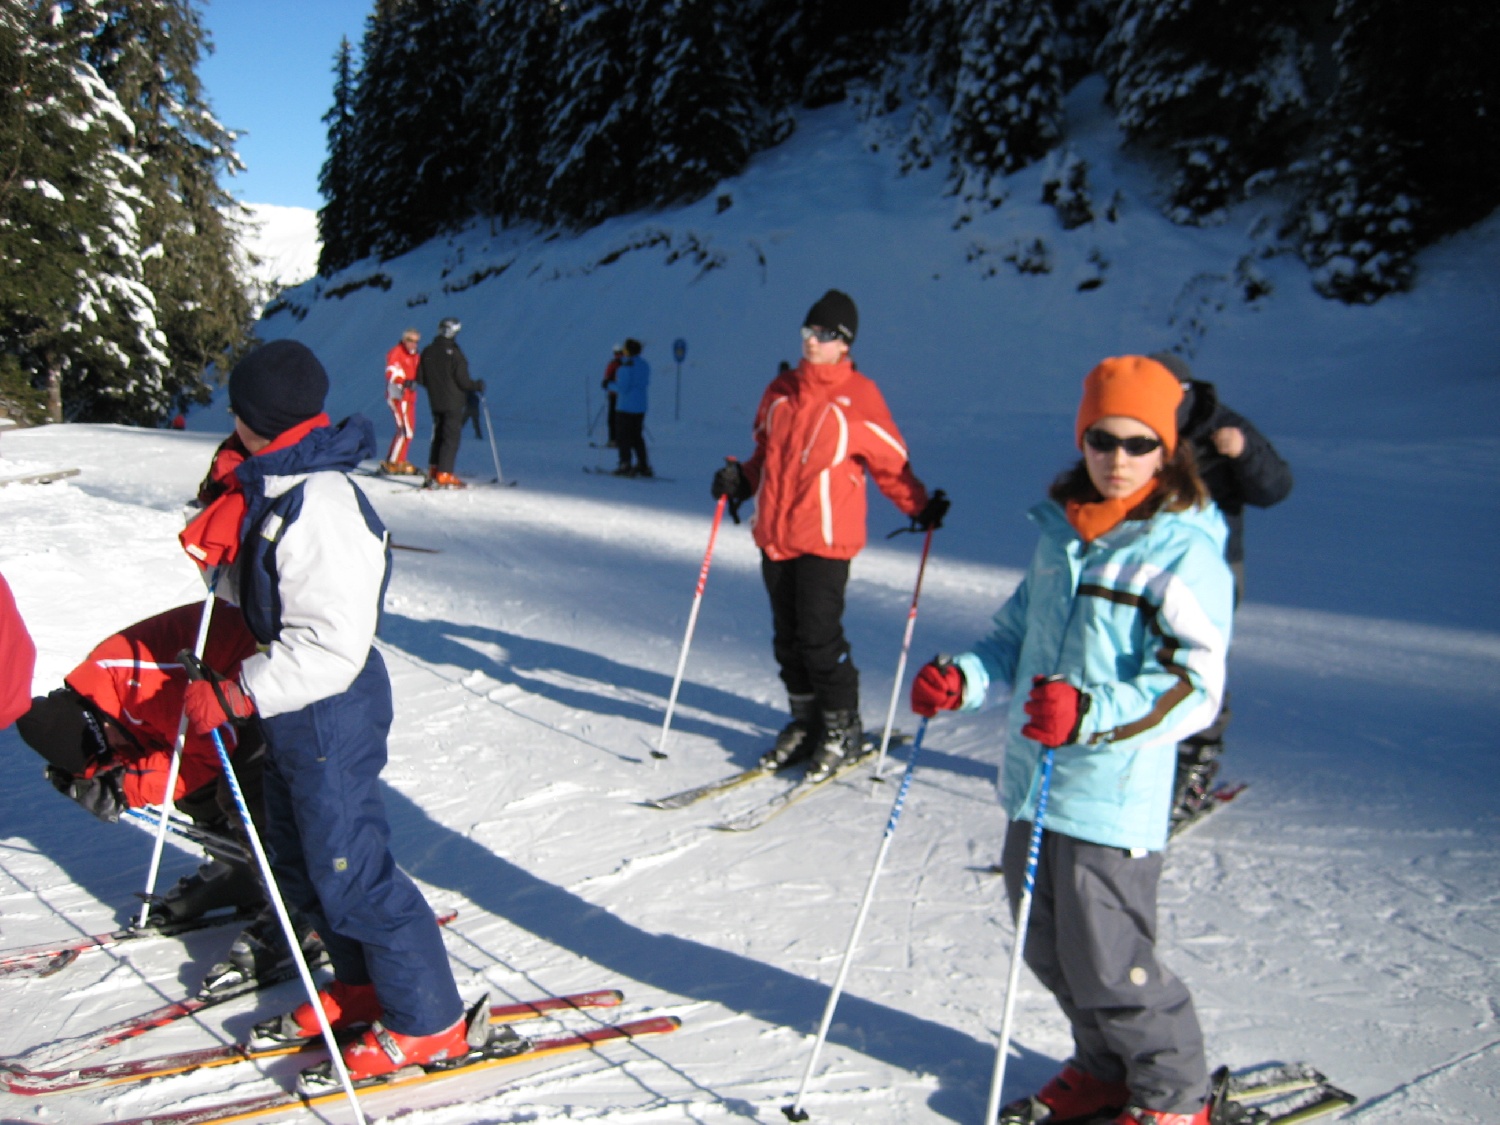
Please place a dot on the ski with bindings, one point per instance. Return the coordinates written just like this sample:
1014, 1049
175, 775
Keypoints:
1270, 1094
44, 960
758, 815
170, 1013
1274, 1094
712, 789
726, 784
500, 1051
33, 1083
1217, 797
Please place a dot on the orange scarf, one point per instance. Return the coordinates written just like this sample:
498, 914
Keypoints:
1093, 520
213, 537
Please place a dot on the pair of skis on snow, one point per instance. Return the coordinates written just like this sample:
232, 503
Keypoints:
501, 1046
768, 810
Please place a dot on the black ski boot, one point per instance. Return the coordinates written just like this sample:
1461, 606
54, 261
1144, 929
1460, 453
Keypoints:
260, 953
799, 738
842, 741
214, 886
1197, 767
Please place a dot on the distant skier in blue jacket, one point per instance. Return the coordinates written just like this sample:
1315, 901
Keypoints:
1114, 647
309, 575
632, 382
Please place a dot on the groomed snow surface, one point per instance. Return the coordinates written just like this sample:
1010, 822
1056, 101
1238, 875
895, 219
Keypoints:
1345, 910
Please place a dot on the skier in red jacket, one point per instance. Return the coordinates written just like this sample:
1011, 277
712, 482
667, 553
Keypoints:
819, 429
107, 737
401, 396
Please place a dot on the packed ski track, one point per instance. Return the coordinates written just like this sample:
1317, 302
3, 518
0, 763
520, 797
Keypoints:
1344, 910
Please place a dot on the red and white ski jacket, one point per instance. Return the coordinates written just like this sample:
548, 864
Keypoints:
401, 367
818, 430
136, 679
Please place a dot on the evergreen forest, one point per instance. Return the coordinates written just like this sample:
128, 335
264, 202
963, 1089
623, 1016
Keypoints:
1375, 122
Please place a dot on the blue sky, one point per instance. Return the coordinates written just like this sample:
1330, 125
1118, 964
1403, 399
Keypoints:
271, 79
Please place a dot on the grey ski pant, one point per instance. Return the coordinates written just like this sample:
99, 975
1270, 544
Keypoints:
1092, 943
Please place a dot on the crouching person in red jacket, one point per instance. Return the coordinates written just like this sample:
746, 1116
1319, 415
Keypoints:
820, 428
108, 734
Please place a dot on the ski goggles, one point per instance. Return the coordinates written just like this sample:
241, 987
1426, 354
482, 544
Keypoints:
1103, 442
821, 335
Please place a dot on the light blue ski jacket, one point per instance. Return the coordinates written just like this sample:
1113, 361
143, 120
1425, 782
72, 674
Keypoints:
1139, 621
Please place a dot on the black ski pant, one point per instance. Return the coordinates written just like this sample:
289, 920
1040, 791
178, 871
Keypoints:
630, 430
807, 623
447, 432
1092, 942
613, 421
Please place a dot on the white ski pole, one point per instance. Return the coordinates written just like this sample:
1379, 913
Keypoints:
795, 1112
274, 893
175, 767
911, 622
687, 640
1023, 920
489, 429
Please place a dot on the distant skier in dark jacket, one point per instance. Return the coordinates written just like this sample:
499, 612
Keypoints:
1239, 466
444, 371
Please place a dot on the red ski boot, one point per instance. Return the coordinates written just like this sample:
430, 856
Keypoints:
1072, 1095
346, 1005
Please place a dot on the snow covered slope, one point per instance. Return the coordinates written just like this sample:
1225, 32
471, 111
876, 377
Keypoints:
1345, 910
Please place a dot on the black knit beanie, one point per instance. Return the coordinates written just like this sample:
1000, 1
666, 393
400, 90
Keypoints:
835, 311
1179, 367
276, 387
59, 728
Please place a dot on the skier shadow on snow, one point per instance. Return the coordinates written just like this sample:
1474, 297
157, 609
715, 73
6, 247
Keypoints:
902, 1039
528, 662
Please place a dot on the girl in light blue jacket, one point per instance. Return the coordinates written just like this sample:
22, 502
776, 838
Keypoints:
1116, 640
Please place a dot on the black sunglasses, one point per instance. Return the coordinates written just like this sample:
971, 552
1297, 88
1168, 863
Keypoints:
822, 335
1103, 442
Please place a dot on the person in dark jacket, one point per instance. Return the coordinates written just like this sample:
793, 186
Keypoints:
309, 574
1239, 466
444, 371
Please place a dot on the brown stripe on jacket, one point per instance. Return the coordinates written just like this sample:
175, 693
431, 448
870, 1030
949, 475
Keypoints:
1167, 654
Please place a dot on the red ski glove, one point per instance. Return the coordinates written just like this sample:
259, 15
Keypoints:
212, 703
939, 686
1056, 707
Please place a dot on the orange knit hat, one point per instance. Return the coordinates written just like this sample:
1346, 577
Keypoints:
1132, 386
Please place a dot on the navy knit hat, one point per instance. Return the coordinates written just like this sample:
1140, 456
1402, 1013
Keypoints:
836, 312
277, 386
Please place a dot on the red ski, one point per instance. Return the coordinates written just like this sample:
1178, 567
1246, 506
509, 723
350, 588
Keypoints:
19, 1080
244, 1109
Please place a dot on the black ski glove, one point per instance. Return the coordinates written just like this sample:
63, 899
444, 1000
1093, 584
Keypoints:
930, 518
730, 481
102, 794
